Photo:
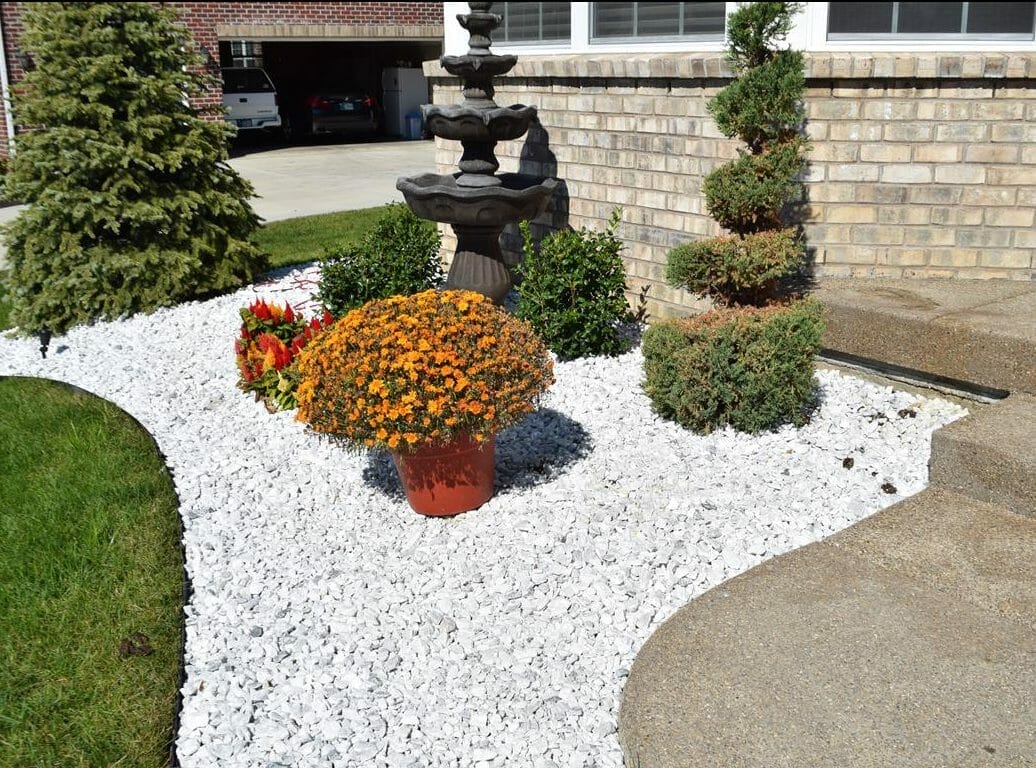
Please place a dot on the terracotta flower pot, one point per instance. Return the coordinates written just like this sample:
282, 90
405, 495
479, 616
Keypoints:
445, 480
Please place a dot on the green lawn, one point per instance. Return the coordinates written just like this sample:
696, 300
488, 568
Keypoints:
296, 241
89, 556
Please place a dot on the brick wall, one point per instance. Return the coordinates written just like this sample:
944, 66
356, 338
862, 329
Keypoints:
305, 20
204, 18
14, 28
922, 165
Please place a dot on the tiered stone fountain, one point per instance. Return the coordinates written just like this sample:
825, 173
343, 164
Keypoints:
478, 202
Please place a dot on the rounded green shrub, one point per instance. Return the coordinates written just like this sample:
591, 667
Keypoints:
131, 203
741, 268
763, 106
749, 194
398, 257
572, 290
750, 368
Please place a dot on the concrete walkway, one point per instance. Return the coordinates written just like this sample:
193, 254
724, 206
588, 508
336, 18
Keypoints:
908, 639
981, 331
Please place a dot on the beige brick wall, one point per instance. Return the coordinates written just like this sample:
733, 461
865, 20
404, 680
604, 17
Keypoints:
921, 166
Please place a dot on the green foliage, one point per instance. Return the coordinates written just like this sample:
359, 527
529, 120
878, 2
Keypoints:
5, 307
748, 364
748, 194
749, 368
400, 256
132, 205
754, 30
90, 541
5, 164
572, 290
735, 269
764, 105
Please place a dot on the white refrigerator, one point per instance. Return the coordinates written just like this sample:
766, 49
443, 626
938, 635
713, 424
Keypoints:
402, 91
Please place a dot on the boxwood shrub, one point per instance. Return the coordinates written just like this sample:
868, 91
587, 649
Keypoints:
748, 367
399, 256
572, 291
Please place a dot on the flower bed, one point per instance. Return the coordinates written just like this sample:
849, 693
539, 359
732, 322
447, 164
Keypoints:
331, 624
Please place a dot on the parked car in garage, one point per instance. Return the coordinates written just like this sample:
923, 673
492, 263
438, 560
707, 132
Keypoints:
250, 98
340, 112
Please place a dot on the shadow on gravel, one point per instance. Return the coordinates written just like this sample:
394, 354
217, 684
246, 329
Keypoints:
539, 449
531, 453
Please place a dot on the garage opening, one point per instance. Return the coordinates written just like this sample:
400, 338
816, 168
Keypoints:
315, 79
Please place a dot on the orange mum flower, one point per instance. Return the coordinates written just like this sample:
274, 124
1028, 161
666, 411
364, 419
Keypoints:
412, 370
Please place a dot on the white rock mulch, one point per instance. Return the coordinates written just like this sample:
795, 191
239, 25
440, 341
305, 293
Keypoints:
332, 626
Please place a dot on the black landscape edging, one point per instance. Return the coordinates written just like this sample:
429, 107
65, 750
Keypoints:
912, 374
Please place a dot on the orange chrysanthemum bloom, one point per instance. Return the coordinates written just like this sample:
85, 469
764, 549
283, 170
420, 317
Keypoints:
409, 371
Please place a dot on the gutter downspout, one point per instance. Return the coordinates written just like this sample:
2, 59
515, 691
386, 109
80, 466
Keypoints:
5, 88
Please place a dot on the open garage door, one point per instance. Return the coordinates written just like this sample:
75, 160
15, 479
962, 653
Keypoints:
324, 73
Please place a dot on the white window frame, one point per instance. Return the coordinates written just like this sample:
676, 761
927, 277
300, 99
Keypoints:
456, 39
809, 34
812, 29
532, 43
944, 37
637, 40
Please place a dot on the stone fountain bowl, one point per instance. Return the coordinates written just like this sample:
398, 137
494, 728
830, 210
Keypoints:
460, 123
439, 198
479, 68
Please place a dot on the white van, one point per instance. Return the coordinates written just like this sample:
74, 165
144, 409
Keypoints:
250, 99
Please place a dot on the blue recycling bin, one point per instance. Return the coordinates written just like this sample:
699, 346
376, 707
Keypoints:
413, 125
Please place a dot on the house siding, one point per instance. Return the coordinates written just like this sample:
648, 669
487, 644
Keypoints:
922, 165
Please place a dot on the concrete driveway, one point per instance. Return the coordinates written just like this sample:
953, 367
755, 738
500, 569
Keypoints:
302, 181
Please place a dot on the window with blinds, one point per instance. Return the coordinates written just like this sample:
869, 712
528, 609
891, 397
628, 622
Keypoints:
701, 21
533, 22
246, 53
983, 20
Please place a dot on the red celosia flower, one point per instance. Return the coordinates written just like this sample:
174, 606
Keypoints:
260, 309
276, 354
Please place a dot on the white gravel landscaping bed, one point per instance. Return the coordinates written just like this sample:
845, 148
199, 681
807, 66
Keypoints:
332, 626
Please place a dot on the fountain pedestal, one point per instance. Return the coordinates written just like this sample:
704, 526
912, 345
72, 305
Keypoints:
477, 202
478, 264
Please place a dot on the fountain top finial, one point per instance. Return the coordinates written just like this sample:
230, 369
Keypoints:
480, 24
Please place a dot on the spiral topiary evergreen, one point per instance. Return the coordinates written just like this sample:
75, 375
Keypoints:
749, 362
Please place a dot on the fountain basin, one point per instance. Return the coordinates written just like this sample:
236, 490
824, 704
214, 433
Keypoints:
478, 67
439, 198
460, 123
